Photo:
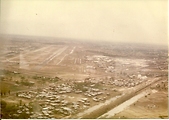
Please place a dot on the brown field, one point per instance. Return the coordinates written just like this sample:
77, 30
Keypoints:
50, 78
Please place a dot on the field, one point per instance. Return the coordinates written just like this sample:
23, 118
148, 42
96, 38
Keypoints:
56, 78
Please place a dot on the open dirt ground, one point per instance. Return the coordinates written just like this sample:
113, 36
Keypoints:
83, 80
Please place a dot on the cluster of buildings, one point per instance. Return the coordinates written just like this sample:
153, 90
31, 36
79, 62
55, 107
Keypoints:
54, 101
113, 65
20, 111
102, 62
130, 82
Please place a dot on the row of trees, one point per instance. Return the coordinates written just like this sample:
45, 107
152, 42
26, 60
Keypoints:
3, 93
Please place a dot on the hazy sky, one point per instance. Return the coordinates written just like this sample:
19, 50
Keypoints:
113, 20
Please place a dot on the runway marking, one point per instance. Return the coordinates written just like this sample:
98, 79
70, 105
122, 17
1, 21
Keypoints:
72, 50
61, 60
50, 58
66, 55
80, 61
44, 48
75, 60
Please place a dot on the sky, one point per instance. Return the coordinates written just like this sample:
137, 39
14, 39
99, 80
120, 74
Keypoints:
106, 20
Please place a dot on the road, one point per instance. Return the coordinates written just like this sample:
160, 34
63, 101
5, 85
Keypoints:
106, 107
122, 106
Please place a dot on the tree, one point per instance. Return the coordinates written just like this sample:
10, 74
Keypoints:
3, 104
